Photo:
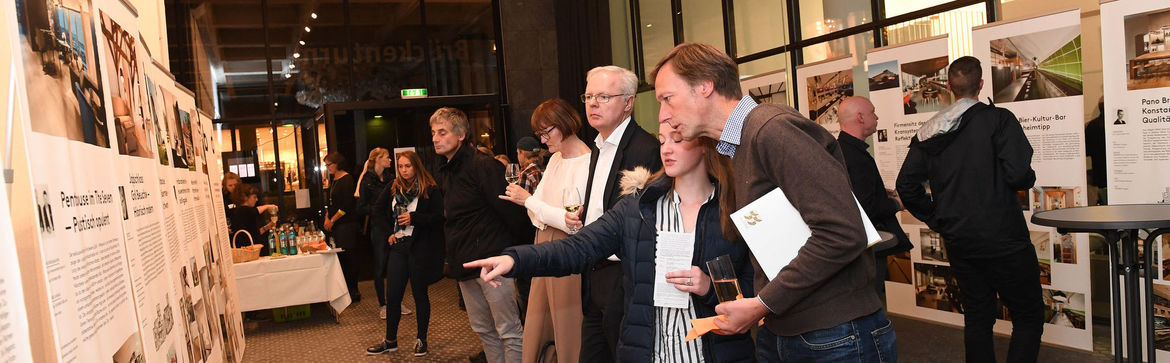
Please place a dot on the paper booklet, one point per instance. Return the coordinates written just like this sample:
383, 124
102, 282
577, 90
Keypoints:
775, 232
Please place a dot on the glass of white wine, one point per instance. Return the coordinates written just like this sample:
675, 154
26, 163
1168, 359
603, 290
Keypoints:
571, 199
512, 173
723, 277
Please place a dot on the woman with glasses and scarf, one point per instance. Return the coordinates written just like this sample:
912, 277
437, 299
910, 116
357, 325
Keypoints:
413, 205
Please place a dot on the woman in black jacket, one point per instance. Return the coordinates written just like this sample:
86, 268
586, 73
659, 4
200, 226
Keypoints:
341, 220
692, 198
413, 206
374, 180
246, 217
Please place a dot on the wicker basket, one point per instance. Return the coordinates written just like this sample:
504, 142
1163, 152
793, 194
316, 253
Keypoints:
251, 252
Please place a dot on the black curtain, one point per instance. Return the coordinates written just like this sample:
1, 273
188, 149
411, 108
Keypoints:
583, 42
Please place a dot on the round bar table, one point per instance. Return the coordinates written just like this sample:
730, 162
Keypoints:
1120, 224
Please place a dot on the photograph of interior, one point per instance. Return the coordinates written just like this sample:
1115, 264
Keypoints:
924, 86
1064, 308
1055, 198
1161, 316
1146, 55
57, 44
1042, 241
898, 267
1036, 66
825, 92
934, 289
774, 93
1064, 249
931, 245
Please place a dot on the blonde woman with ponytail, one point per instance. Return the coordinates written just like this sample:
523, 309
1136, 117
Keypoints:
376, 177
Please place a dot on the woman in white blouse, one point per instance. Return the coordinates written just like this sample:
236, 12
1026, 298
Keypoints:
554, 303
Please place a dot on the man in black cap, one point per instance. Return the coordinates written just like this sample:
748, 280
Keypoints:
532, 157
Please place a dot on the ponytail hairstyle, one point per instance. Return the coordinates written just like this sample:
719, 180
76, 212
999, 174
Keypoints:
369, 167
421, 175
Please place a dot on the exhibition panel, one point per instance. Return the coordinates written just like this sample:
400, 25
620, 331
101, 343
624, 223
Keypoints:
1136, 121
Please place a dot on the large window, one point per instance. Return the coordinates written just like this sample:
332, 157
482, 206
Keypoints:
773, 35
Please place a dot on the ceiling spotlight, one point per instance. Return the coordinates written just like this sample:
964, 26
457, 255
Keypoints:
307, 29
302, 42
288, 75
296, 55
292, 66
313, 15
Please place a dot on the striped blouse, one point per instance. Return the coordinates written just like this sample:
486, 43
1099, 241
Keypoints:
670, 343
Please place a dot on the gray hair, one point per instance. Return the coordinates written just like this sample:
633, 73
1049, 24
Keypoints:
453, 117
629, 80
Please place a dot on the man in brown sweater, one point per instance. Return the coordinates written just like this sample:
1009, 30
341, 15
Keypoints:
821, 307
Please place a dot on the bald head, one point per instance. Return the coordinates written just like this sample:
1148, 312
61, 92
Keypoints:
857, 117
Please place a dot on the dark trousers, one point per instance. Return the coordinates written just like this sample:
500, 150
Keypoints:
380, 249
604, 307
870, 338
1016, 278
346, 236
398, 272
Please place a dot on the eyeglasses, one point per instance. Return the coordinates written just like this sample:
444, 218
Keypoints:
544, 134
600, 97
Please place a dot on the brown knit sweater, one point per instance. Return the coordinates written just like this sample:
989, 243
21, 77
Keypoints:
830, 280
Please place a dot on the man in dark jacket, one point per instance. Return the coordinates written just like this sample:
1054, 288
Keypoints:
478, 225
620, 145
975, 158
858, 122
826, 290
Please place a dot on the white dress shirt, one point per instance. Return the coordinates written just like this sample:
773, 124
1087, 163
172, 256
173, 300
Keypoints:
606, 151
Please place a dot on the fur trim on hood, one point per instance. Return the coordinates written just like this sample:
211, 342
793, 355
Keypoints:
633, 180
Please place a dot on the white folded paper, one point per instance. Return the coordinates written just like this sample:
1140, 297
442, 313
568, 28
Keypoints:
674, 252
775, 232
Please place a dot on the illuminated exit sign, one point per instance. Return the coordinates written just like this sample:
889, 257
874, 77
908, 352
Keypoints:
414, 93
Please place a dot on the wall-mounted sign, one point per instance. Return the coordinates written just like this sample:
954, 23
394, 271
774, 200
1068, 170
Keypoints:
409, 93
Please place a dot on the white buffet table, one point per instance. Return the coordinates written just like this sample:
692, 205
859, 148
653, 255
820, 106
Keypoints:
294, 280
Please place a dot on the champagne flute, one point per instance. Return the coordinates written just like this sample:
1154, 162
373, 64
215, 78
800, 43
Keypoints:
512, 174
571, 199
723, 278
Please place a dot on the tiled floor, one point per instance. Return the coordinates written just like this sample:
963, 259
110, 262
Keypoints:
320, 339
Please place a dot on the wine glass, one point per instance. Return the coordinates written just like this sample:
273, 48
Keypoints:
512, 173
571, 199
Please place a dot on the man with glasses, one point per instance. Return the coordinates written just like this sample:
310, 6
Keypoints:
620, 145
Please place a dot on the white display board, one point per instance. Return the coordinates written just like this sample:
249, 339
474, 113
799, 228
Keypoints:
907, 85
1137, 124
136, 176
1032, 67
1137, 100
78, 205
822, 86
133, 250
14, 344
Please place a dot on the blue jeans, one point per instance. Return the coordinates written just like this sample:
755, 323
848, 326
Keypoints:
869, 338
